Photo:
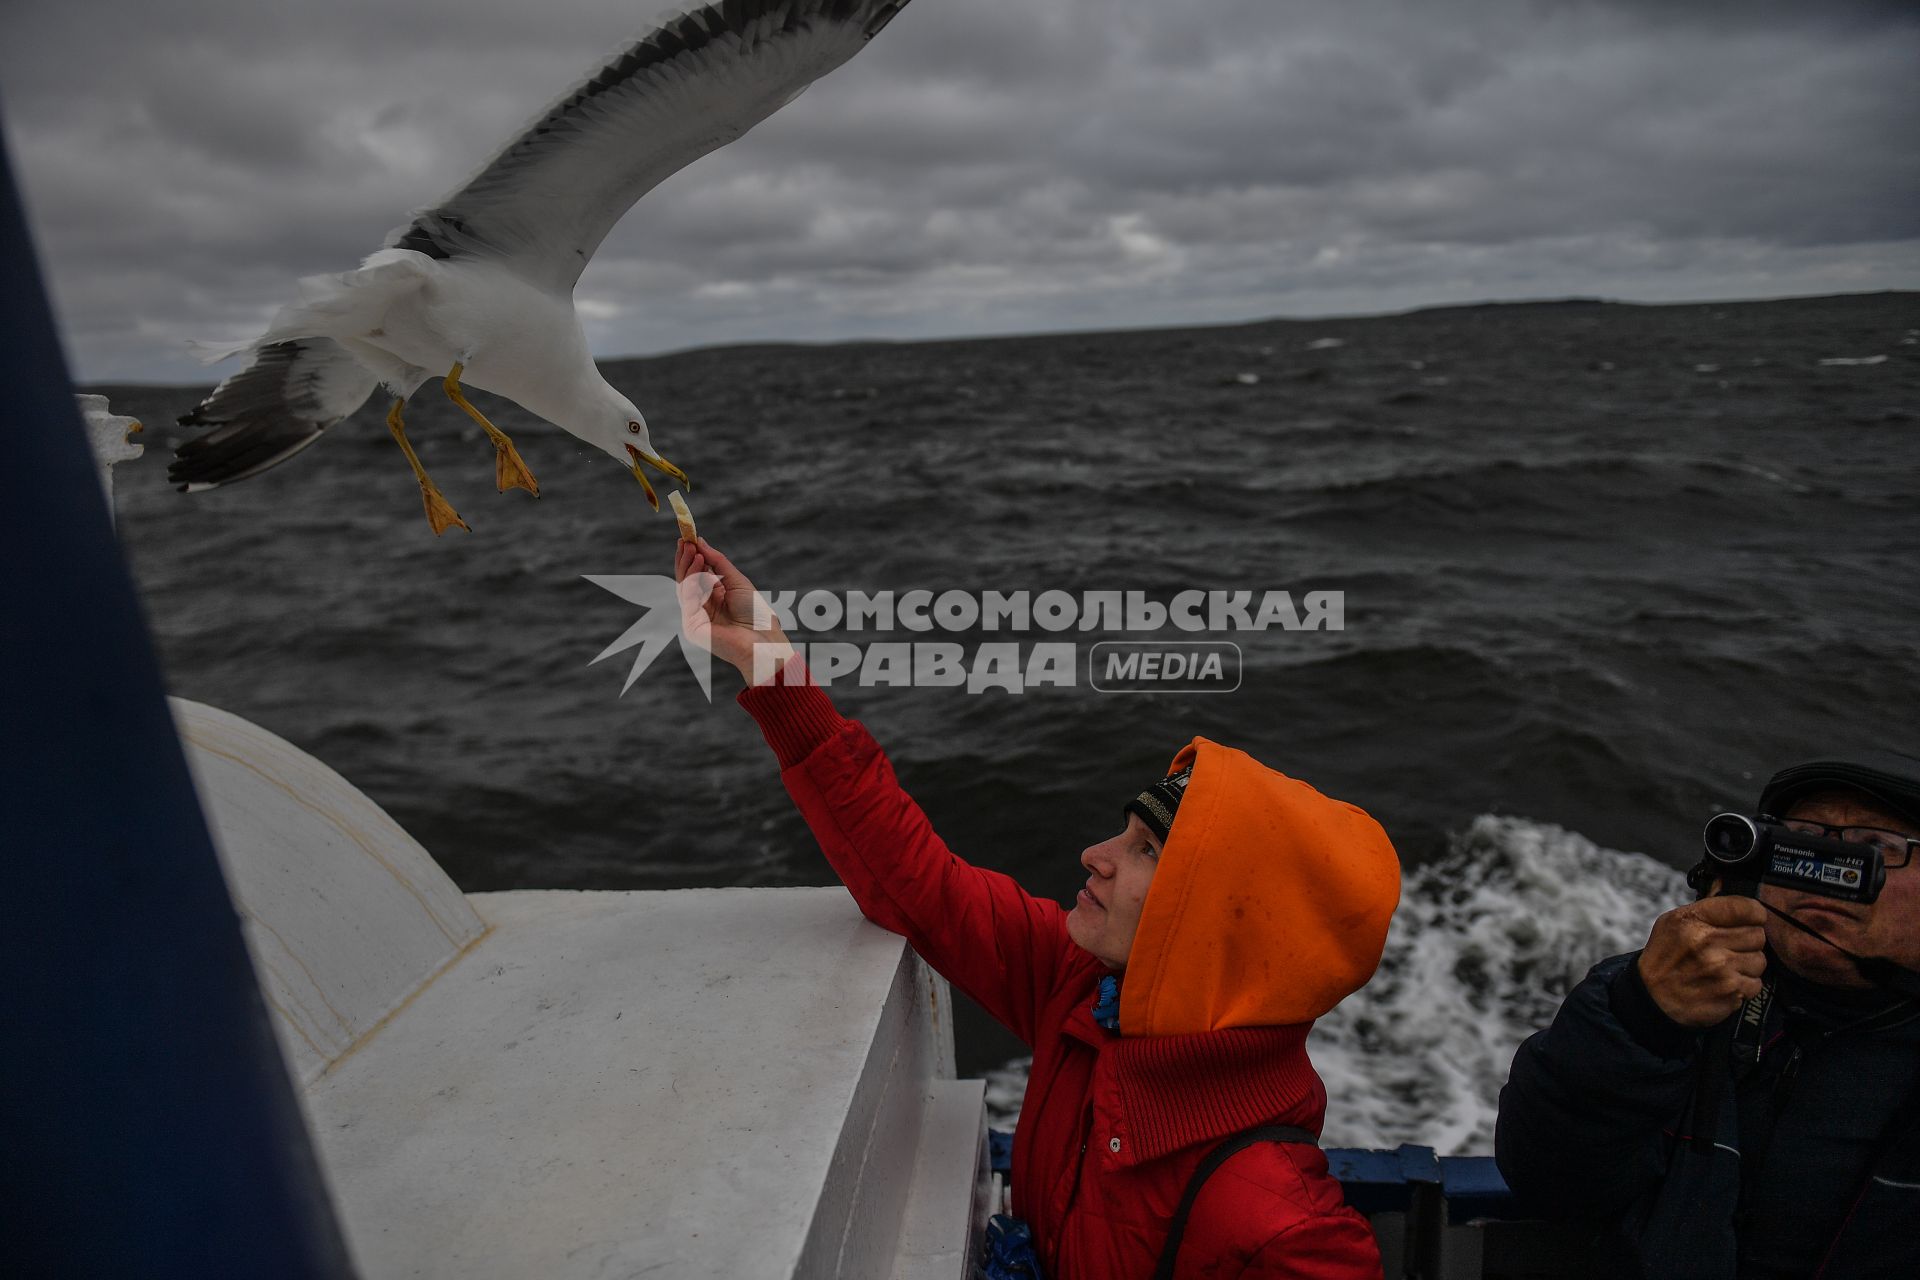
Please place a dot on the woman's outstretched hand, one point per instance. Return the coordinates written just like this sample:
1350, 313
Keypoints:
724, 615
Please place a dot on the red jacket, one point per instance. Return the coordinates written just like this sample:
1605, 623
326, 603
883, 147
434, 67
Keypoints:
1112, 1126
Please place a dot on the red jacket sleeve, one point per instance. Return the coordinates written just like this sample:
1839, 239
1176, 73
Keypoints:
981, 931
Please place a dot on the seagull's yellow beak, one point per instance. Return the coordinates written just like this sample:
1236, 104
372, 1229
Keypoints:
668, 469
653, 499
661, 465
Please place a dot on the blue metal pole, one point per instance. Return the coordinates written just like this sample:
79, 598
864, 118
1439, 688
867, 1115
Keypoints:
147, 1123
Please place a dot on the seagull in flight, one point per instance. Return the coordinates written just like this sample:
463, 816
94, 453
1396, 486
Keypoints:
478, 289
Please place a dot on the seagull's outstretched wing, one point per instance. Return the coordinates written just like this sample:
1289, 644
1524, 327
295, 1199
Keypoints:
696, 83
269, 411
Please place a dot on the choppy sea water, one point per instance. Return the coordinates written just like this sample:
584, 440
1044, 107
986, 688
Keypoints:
1605, 567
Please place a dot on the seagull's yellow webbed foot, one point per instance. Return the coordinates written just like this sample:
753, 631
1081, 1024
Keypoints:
509, 469
440, 512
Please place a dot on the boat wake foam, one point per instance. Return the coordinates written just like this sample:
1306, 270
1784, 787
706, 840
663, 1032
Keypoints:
1484, 946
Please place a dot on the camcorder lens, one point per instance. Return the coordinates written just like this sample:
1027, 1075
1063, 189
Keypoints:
1730, 837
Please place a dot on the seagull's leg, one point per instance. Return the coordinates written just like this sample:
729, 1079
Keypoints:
509, 472
440, 513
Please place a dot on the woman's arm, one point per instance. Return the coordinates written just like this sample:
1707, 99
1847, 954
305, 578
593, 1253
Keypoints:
979, 929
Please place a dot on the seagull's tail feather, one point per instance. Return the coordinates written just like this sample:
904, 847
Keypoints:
275, 407
339, 305
346, 303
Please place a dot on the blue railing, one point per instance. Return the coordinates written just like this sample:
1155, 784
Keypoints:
1451, 1218
1385, 1181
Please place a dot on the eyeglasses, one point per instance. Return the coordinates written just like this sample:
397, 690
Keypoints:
1895, 850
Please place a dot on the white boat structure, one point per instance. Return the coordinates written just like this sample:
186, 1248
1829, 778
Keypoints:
694, 1083
576, 1085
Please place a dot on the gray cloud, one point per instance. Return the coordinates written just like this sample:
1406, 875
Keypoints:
992, 165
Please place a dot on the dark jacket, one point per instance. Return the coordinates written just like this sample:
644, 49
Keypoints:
1113, 1125
1815, 1164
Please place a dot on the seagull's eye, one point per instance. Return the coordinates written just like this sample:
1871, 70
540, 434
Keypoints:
633, 428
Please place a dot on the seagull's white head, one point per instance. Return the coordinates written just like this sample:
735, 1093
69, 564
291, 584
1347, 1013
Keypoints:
627, 433
623, 434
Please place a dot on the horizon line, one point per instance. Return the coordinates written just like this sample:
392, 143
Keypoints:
1575, 299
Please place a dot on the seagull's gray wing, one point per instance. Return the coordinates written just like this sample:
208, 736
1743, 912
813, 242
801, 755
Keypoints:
269, 411
696, 83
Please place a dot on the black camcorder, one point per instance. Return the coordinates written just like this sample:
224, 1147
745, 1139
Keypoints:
1745, 851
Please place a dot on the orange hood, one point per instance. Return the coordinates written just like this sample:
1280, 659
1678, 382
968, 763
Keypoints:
1270, 903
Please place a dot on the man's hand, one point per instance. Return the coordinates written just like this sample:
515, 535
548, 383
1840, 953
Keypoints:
730, 620
1703, 960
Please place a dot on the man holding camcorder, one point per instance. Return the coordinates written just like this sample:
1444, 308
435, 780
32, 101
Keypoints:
1742, 1097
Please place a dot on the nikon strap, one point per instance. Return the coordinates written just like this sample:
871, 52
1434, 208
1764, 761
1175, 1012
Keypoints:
1749, 1026
1218, 1156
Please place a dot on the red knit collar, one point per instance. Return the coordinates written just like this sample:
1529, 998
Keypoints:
1171, 1092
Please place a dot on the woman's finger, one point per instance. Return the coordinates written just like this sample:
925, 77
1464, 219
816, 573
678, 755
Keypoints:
696, 622
723, 566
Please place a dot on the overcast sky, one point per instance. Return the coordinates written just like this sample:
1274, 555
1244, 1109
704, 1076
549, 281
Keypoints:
991, 165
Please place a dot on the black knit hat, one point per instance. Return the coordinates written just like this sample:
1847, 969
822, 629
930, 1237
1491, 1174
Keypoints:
1159, 802
1890, 777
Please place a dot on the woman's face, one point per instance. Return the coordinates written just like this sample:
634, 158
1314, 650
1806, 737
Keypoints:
1107, 911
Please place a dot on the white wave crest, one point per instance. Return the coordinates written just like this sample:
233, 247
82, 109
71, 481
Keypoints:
1485, 945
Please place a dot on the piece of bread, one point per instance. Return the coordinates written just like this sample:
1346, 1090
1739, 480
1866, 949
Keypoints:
682, 516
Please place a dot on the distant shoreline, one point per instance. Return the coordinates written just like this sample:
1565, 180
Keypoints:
840, 344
